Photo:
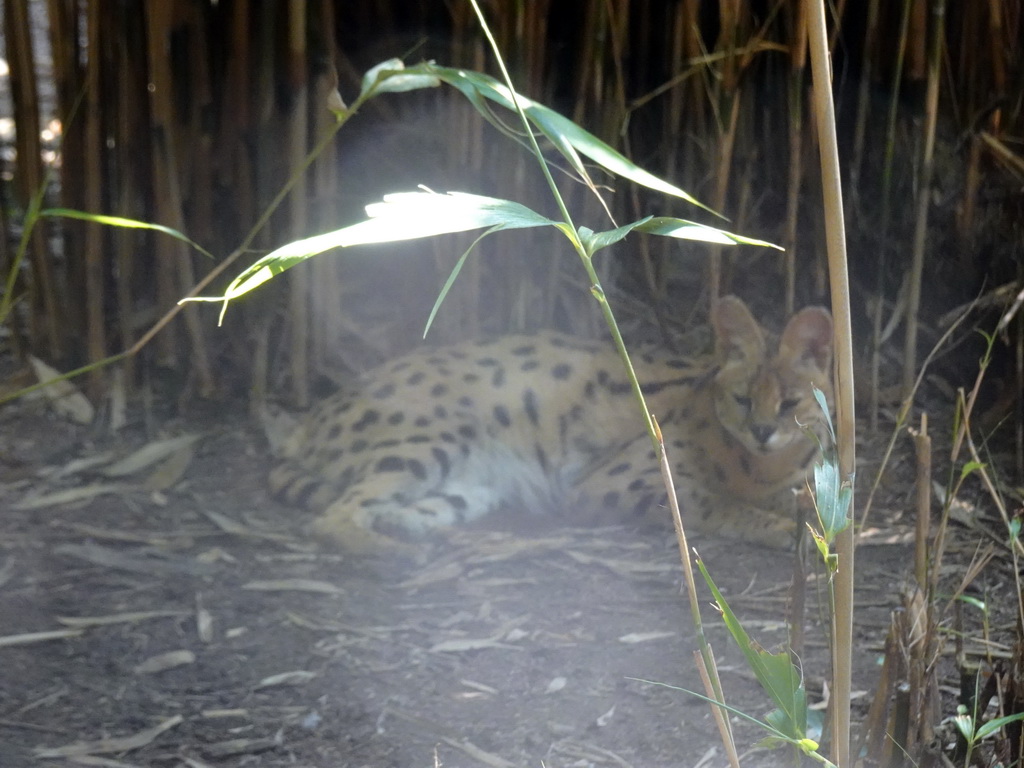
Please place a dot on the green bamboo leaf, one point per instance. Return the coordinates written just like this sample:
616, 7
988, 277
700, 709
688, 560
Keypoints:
391, 77
823, 405
666, 227
560, 130
451, 281
400, 216
807, 745
776, 672
120, 221
964, 723
969, 468
973, 602
832, 498
994, 725
595, 241
691, 230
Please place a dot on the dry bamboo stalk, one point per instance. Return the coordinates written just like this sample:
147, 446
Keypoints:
161, 112
1018, 375
45, 315
923, 485
589, 73
872, 741
729, 101
877, 319
723, 173
132, 133
236, 118
324, 183
197, 166
917, 55
618, 37
916, 274
868, 53
63, 17
13, 326
797, 67
95, 151
711, 686
996, 50
296, 129
175, 273
693, 102
842, 620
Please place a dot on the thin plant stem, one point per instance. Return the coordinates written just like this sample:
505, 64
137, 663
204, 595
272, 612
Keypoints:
569, 230
710, 671
842, 618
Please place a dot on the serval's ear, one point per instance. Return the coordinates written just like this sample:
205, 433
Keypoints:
807, 339
738, 337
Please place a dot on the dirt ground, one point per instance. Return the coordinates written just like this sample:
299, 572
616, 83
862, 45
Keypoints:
198, 625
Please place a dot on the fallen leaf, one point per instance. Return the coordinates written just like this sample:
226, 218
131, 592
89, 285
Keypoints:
28, 638
643, 637
115, 744
112, 558
69, 496
556, 684
164, 661
63, 396
171, 470
149, 454
204, 622
296, 677
100, 762
469, 644
233, 747
294, 585
235, 528
116, 618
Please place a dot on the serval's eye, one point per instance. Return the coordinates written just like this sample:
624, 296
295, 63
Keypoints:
788, 405
743, 401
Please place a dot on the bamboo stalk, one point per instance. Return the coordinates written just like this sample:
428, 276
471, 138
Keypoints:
161, 111
886, 199
132, 142
175, 271
94, 236
65, 49
916, 274
45, 315
797, 67
296, 130
923, 485
842, 630
1018, 375
863, 104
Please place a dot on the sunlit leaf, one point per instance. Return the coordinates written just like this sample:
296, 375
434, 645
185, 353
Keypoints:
390, 77
691, 230
400, 216
972, 601
560, 130
120, 221
666, 227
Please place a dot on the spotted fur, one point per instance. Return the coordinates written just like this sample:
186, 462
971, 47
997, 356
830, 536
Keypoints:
548, 424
